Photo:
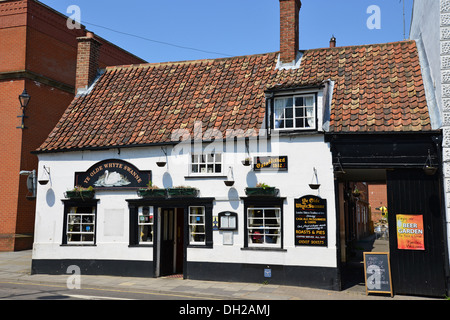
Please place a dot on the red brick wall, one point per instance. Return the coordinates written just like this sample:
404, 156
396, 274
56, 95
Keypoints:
36, 39
289, 29
377, 198
10, 151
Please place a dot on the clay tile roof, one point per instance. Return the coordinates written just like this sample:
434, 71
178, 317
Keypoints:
377, 88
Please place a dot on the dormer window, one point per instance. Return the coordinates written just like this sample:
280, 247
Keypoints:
296, 112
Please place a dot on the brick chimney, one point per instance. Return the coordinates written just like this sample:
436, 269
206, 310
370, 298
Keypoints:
289, 34
87, 61
333, 42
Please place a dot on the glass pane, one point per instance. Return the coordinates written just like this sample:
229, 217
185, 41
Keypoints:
309, 101
299, 112
289, 113
288, 102
256, 236
87, 237
197, 219
87, 219
279, 124
146, 234
299, 123
218, 157
88, 228
289, 123
210, 158
194, 168
194, 158
279, 109
299, 101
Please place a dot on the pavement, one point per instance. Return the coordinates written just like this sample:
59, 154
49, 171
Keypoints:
15, 267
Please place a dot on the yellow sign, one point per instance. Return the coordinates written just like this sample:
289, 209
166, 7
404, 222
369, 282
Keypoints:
410, 232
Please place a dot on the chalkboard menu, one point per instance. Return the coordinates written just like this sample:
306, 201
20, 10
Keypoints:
311, 222
377, 271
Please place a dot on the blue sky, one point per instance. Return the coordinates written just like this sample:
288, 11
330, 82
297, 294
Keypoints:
232, 27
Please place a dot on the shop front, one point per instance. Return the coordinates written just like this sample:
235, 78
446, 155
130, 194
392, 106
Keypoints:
117, 212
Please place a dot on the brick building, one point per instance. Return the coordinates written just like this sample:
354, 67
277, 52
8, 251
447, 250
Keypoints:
38, 53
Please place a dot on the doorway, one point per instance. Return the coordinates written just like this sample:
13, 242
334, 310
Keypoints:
363, 222
171, 248
418, 261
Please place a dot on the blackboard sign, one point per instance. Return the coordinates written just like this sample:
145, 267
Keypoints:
377, 272
311, 222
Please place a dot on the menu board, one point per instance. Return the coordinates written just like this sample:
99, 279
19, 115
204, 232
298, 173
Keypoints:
311, 222
377, 272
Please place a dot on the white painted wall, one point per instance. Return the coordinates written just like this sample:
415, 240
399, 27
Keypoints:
304, 152
430, 27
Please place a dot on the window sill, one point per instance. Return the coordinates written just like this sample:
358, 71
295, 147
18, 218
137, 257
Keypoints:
288, 132
263, 249
140, 246
200, 246
77, 245
206, 176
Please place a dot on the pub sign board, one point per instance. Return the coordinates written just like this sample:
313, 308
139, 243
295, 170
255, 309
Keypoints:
311, 221
279, 163
112, 174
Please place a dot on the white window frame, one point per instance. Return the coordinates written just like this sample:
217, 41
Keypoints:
206, 166
267, 231
296, 116
142, 224
69, 233
196, 221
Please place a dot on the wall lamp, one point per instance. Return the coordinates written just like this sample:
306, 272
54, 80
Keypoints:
31, 182
429, 168
24, 99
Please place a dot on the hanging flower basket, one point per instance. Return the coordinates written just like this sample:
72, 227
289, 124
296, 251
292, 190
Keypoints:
182, 192
261, 190
160, 163
80, 193
229, 183
247, 162
152, 193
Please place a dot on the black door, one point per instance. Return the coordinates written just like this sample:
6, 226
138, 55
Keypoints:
419, 271
167, 241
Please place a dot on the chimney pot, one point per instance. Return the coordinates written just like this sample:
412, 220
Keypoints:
332, 42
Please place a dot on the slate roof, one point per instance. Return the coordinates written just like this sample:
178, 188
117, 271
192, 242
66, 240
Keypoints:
377, 88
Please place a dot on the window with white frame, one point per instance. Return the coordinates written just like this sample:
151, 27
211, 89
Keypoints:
145, 223
81, 225
206, 163
197, 234
296, 112
264, 227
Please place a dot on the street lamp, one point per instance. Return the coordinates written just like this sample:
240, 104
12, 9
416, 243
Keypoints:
24, 99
